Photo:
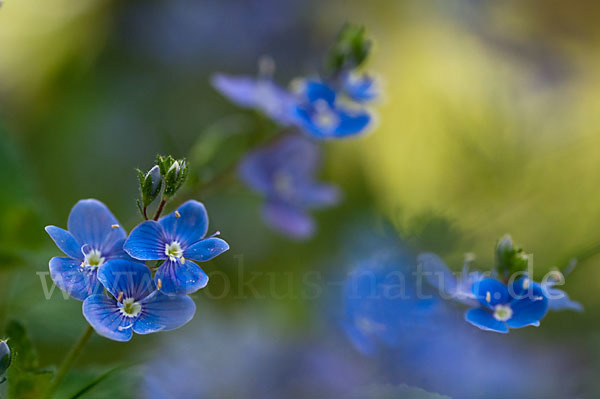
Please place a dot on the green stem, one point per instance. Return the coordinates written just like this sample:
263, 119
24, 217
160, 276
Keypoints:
68, 362
160, 209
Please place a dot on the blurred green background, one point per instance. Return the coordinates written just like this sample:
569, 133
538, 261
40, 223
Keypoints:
488, 125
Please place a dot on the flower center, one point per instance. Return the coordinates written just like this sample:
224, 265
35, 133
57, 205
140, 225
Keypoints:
93, 259
325, 117
173, 251
284, 184
502, 312
130, 308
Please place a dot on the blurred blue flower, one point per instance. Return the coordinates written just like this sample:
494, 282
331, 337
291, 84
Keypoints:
284, 173
360, 88
5, 357
136, 306
520, 304
259, 93
177, 238
94, 237
558, 299
323, 114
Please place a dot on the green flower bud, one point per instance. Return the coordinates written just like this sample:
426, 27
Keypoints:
509, 259
174, 177
150, 185
5, 357
349, 51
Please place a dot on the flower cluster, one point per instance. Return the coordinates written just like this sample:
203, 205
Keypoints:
503, 299
331, 106
104, 267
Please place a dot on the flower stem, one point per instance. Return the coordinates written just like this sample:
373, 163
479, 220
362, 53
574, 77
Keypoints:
68, 362
160, 209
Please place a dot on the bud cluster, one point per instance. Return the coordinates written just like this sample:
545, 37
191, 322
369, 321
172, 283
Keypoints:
167, 174
349, 51
510, 259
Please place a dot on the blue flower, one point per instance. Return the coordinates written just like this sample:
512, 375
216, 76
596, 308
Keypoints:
260, 93
360, 88
94, 237
5, 357
177, 237
323, 116
558, 299
523, 303
135, 305
284, 173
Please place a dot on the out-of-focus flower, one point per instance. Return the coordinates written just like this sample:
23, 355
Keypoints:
136, 306
259, 93
557, 298
94, 238
360, 88
323, 115
521, 304
5, 357
177, 238
284, 173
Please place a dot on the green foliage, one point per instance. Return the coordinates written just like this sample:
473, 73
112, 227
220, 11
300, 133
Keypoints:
150, 185
509, 259
25, 378
349, 51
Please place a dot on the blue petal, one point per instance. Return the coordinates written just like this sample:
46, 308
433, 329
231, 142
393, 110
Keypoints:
289, 220
315, 91
180, 279
132, 279
117, 251
529, 308
77, 281
92, 223
498, 293
261, 94
351, 124
105, 317
147, 241
361, 88
187, 228
559, 300
162, 313
321, 195
65, 242
438, 274
206, 249
484, 320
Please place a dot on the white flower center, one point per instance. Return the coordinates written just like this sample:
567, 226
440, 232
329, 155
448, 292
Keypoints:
325, 118
130, 308
502, 312
93, 259
173, 251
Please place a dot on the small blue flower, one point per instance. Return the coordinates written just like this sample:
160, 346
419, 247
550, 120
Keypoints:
558, 299
94, 237
260, 93
284, 173
360, 88
323, 116
523, 303
177, 237
135, 305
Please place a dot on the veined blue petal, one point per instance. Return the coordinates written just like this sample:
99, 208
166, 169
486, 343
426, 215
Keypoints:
65, 242
206, 249
77, 281
529, 308
178, 278
490, 292
484, 320
117, 251
289, 220
105, 317
188, 225
316, 91
163, 312
92, 223
147, 241
132, 279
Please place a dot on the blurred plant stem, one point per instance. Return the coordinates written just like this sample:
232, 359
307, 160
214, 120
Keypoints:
159, 210
68, 362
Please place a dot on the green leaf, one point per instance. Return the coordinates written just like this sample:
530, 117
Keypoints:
89, 386
25, 379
